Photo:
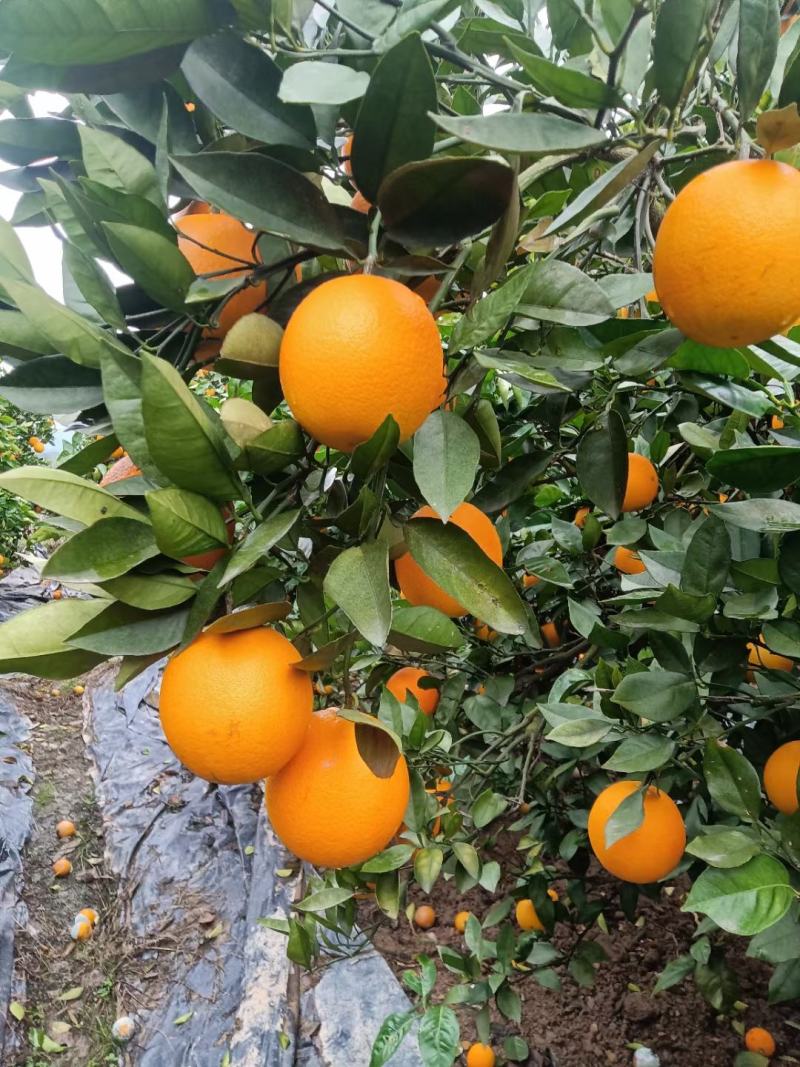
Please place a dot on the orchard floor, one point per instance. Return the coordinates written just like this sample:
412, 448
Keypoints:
72, 993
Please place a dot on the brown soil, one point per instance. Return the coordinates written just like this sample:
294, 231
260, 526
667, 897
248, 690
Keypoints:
71, 989
602, 1025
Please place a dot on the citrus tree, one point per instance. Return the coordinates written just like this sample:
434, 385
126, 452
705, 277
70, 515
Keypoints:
408, 424
22, 440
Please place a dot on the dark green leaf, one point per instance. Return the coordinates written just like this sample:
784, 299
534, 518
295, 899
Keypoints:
423, 629
486, 808
569, 86
674, 973
708, 559
626, 817
446, 456
510, 482
641, 752
152, 593
559, 292
258, 543
732, 780
52, 385
94, 285
759, 30
602, 464
656, 695
761, 469
151, 260
106, 549
679, 27
122, 630
24, 141
489, 314
358, 581
533, 134
121, 374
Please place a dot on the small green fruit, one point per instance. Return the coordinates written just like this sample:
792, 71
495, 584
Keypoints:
251, 348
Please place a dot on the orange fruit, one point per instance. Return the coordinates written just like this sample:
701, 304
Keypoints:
527, 916
776, 422
780, 777
627, 561
66, 828
327, 805
345, 154
759, 1040
580, 517
194, 207
62, 867
360, 203
420, 590
479, 1055
36, 444
552, 638
220, 243
233, 707
118, 453
653, 849
58, 594
529, 580
461, 920
424, 917
483, 631
642, 485
81, 929
759, 656
359, 348
724, 268
119, 471
553, 894
90, 915
406, 681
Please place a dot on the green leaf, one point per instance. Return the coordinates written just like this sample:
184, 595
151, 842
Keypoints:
19, 338
121, 373
427, 865
438, 1037
371, 455
402, 85
779, 942
250, 617
390, 1037
24, 141
414, 16
656, 695
625, 818
674, 973
603, 190
442, 201
239, 84
704, 359
66, 494
70, 333
450, 556
52, 384
784, 985
569, 86
467, 856
14, 261
266, 193
760, 469
762, 516
94, 285
679, 27
602, 464
724, 846
34, 642
759, 31
115, 77
185, 524
358, 582
324, 899
491, 313
743, 900
63, 32
122, 630
559, 292
446, 457
509, 483
313, 81
151, 260
423, 629
640, 753
276, 448
151, 593
17, 1010
532, 133
486, 808
732, 780
106, 549
708, 559
184, 439
258, 543
112, 162
521, 371
390, 860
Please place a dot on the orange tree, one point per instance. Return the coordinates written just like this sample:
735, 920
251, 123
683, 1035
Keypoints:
609, 621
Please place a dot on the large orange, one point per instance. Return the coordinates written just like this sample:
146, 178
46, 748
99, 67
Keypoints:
326, 804
420, 590
727, 254
406, 681
653, 849
357, 349
780, 777
233, 707
225, 245
641, 488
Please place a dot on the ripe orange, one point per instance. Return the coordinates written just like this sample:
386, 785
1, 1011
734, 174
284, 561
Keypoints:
627, 561
759, 1040
653, 849
118, 453
36, 444
405, 681
233, 707
480, 1056
424, 917
415, 585
62, 867
360, 203
345, 154
90, 915
327, 805
529, 580
759, 656
81, 929
119, 471
357, 349
776, 422
642, 485
552, 638
225, 245
461, 920
527, 917
780, 777
65, 828
581, 516
483, 631
723, 266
